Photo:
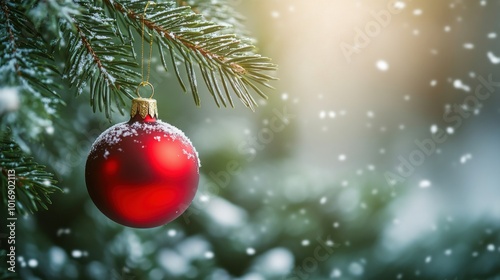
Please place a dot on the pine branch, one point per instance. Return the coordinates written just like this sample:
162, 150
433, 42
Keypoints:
226, 63
33, 184
220, 12
25, 56
27, 71
49, 15
101, 58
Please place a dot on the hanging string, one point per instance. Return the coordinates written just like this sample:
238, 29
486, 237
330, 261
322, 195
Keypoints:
145, 81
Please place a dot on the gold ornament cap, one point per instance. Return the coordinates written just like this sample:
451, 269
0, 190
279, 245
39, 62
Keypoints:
144, 107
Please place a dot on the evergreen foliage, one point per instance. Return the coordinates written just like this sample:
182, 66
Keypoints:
28, 67
33, 183
96, 41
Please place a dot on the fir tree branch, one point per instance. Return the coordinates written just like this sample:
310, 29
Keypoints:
49, 15
11, 39
195, 41
27, 66
33, 184
25, 52
102, 58
220, 12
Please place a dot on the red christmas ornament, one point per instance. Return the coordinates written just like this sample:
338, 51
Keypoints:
142, 173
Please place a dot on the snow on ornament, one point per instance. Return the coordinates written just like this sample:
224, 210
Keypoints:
142, 173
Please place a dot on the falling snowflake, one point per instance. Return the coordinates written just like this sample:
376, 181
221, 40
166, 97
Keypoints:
425, 184
382, 65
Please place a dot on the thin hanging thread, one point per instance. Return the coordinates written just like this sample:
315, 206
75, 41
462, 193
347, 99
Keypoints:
145, 82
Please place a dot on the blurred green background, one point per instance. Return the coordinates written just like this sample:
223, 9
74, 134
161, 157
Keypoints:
332, 183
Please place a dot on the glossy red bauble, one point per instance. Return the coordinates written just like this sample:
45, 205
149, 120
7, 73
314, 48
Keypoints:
142, 173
